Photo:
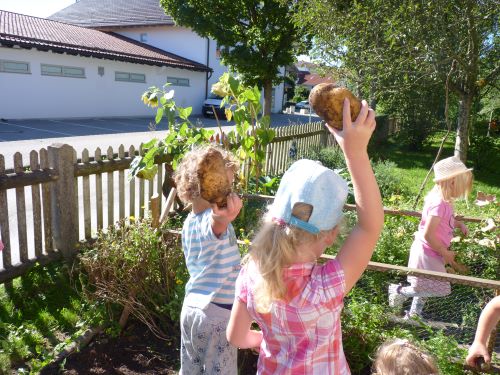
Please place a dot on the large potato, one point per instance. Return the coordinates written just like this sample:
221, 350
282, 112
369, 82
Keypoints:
327, 100
214, 183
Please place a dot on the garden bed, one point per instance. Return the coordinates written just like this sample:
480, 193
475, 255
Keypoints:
136, 351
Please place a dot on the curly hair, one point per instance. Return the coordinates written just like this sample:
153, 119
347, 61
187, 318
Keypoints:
186, 174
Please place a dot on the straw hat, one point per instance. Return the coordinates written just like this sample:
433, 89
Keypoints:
448, 168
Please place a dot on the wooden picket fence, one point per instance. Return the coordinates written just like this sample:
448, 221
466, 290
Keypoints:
74, 196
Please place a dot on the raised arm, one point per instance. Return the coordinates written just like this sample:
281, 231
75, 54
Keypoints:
221, 217
357, 250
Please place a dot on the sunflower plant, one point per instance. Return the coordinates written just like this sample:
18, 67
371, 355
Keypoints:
252, 131
182, 134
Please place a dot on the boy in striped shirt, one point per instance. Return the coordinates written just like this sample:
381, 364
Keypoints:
213, 262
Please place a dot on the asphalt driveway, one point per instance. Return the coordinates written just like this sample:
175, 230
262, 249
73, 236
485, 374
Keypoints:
22, 130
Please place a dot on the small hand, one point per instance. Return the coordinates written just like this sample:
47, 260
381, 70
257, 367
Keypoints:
229, 212
354, 137
449, 256
464, 228
477, 350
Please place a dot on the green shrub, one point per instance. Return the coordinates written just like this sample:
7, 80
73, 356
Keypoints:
330, 157
389, 180
132, 264
483, 151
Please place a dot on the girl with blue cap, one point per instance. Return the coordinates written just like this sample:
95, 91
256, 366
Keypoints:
295, 301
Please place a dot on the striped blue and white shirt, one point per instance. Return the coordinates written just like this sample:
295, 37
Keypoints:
213, 263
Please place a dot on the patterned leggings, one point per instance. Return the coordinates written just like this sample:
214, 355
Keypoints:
426, 288
204, 347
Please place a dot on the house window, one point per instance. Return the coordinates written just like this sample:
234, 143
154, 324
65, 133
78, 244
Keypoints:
62, 71
144, 37
273, 98
7, 66
175, 81
130, 77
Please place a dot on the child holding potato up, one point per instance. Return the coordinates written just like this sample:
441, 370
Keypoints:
295, 301
203, 179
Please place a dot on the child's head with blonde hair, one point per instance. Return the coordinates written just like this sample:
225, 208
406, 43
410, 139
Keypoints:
400, 357
307, 206
453, 179
186, 174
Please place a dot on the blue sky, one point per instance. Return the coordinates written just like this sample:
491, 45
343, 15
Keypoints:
37, 8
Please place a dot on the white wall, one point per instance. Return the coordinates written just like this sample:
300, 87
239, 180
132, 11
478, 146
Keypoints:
179, 40
35, 96
186, 43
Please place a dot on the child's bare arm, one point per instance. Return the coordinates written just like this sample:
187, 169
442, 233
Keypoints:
357, 250
430, 230
487, 321
238, 330
221, 217
461, 225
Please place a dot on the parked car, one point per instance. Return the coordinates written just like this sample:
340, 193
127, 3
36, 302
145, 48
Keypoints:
304, 104
212, 103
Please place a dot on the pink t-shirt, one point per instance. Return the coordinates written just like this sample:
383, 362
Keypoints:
303, 335
435, 206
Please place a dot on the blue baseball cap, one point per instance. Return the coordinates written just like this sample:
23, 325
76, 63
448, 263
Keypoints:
308, 181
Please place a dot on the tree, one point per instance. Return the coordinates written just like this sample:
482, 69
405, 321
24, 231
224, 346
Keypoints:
392, 47
256, 37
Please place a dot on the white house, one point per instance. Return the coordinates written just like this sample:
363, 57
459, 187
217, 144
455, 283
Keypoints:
96, 58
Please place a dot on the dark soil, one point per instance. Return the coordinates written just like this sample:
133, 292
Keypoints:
136, 351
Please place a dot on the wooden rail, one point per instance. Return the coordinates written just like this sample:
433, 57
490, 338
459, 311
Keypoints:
352, 207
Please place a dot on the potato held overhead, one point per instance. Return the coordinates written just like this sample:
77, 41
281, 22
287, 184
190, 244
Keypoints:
214, 184
327, 100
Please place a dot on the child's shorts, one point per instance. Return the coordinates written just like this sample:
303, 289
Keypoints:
204, 347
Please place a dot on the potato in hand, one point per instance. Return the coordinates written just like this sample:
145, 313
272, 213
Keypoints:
327, 101
214, 182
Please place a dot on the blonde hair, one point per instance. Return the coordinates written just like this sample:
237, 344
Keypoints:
274, 248
186, 174
400, 357
458, 186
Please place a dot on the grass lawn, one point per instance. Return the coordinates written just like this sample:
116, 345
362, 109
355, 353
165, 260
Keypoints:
413, 166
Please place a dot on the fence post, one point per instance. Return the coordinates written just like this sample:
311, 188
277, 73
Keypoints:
64, 218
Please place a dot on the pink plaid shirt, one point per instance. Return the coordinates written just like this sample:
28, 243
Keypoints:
302, 336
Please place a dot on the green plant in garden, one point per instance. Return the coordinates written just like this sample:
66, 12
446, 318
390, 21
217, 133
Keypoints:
40, 313
135, 265
182, 135
253, 130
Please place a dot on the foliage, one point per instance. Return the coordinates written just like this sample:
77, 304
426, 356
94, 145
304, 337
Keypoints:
256, 37
252, 131
330, 157
397, 52
300, 93
365, 326
388, 179
180, 138
395, 241
135, 265
483, 150
40, 313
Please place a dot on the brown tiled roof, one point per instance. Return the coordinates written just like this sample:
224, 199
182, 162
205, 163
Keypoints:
43, 34
113, 13
314, 79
